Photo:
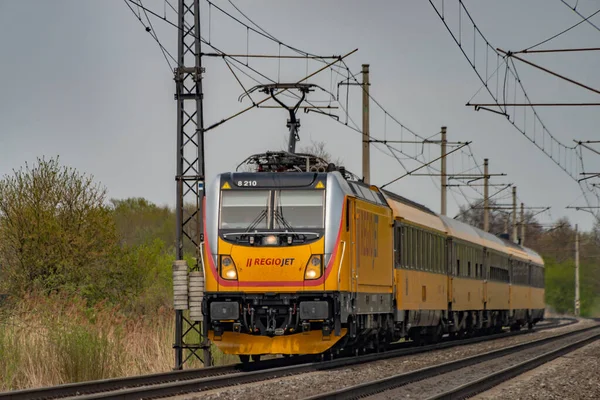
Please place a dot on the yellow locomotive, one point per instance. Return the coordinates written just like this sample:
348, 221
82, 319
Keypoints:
313, 262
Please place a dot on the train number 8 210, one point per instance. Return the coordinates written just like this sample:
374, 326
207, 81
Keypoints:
246, 183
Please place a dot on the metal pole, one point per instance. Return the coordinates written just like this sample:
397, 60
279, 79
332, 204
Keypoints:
514, 216
179, 183
522, 225
190, 163
366, 156
201, 165
443, 172
486, 197
577, 304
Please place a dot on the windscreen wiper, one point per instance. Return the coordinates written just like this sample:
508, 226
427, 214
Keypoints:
256, 221
279, 215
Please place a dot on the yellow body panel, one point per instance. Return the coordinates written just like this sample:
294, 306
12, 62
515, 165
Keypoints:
373, 248
467, 294
339, 277
497, 295
311, 342
520, 297
419, 290
270, 269
538, 300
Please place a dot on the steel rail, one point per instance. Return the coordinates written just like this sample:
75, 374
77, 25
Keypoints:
104, 385
275, 366
392, 382
487, 382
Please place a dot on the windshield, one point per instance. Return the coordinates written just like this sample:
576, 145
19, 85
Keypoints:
299, 209
244, 209
251, 210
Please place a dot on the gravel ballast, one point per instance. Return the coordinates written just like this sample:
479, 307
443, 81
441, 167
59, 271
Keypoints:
301, 386
439, 384
574, 376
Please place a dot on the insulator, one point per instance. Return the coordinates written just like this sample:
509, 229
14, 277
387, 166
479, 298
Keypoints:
180, 285
196, 295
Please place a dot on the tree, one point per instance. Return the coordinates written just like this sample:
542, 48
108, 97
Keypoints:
139, 221
55, 230
319, 149
498, 221
473, 215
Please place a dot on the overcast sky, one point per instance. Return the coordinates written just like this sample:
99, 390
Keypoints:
85, 81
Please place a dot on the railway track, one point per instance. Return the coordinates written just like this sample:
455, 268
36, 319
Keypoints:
440, 381
177, 382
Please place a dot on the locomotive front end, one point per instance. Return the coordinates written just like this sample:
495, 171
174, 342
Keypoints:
269, 249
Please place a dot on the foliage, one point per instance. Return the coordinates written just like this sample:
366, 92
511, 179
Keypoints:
55, 231
47, 340
499, 221
138, 221
560, 285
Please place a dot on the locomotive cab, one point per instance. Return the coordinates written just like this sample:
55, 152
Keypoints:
270, 244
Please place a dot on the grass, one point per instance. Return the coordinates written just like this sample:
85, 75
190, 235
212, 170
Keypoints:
51, 340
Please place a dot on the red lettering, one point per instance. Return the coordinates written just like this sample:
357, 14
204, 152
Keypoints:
262, 261
249, 262
257, 261
269, 261
278, 261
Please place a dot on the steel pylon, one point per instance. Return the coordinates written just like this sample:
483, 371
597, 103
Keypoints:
190, 337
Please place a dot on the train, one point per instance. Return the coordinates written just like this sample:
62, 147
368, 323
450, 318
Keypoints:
315, 261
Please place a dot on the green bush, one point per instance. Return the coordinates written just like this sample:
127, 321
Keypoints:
86, 353
10, 354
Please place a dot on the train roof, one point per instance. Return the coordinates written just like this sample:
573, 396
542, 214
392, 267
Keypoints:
421, 216
406, 201
533, 256
418, 214
462, 231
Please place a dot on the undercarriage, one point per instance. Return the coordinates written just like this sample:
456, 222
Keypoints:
271, 314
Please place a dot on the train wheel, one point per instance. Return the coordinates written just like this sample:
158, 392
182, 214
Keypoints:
256, 357
437, 334
245, 359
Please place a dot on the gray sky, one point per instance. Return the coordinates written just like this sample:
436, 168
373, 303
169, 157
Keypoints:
83, 80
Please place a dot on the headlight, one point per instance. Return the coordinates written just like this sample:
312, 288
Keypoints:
270, 240
228, 270
314, 268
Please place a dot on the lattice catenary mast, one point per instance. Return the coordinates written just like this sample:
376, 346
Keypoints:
190, 331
